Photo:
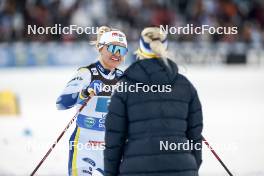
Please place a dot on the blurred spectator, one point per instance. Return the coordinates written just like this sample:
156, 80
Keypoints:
11, 21
132, 17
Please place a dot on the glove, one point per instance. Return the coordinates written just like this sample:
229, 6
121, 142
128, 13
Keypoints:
94, 88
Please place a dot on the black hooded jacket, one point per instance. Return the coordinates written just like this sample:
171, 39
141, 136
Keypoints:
142, 128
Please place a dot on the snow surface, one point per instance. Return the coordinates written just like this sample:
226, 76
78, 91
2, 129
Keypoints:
233, 106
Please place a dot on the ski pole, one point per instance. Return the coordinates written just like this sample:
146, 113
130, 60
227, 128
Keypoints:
60, 136
217, 157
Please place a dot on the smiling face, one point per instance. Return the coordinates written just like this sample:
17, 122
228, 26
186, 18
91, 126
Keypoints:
109, 60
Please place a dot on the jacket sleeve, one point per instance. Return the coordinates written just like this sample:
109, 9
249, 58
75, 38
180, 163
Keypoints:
70, 94
115, 135
195, 125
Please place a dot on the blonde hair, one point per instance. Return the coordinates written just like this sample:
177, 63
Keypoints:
100, 32
154, 36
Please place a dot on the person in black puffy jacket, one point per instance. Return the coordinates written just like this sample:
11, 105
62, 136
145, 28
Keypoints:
147, 131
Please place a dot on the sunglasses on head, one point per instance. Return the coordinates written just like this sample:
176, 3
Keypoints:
117, 49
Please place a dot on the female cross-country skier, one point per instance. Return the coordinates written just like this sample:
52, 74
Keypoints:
87, 140
143, 127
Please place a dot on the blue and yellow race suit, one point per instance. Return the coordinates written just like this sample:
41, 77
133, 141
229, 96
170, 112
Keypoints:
87, 140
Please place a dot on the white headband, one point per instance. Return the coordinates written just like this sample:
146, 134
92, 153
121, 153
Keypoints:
113, 36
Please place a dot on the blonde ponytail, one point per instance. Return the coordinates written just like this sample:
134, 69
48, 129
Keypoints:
154, 37
159, 49
100, 32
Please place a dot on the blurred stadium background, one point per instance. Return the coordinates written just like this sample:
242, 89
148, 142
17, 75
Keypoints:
228, 71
